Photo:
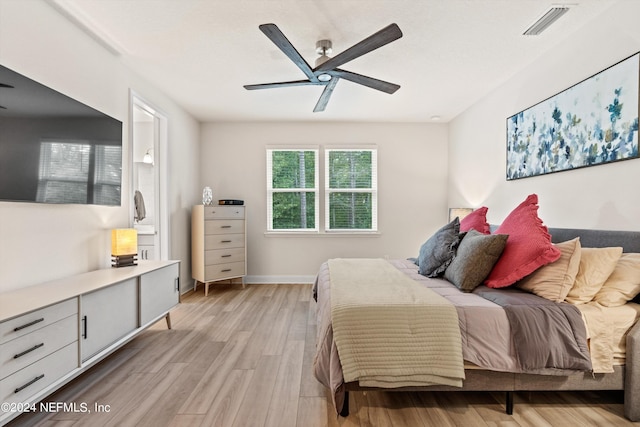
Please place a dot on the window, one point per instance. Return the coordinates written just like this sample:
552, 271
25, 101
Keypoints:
351, 197
350, 189
292, 189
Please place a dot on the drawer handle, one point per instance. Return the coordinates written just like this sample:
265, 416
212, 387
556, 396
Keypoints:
38, 378
225, 241
225, 256
35, 347
225, 226
85, 324
225, 270
16, 329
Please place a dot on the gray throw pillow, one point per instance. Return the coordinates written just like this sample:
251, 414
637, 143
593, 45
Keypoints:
476, 256
437, 252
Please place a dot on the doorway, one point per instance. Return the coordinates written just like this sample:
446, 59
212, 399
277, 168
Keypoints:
149, 212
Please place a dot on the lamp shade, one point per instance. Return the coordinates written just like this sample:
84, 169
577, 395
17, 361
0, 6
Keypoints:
459, 212
124, 241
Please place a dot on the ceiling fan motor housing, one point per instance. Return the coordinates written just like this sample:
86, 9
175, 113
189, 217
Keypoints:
323, 48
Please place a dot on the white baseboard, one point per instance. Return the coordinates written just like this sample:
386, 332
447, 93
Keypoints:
279, 279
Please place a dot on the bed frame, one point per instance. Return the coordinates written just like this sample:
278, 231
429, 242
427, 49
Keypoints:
625, 378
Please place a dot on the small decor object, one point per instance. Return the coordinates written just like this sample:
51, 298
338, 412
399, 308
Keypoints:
124, 247
231, 202
207, 196
591, 123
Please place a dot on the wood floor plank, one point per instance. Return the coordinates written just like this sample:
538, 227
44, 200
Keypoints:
205, 391
186, 420
283, 408
255, 405
225, 407
311, 412
149, 409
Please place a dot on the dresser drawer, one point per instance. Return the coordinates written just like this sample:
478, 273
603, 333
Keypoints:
223, 271
222, 256
222, 241
27, 323
23, 384
29, 348
224, 212
224, 226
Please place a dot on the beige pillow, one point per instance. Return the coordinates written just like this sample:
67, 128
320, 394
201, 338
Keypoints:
553, 281
596, 265
624, 283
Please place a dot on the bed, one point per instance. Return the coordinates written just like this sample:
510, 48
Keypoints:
488, 364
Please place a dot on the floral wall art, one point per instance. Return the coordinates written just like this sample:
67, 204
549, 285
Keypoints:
590, 123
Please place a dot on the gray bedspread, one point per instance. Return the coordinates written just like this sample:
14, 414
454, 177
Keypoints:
547, 336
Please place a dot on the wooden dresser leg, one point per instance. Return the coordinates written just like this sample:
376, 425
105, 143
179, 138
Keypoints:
206, 289
168, 319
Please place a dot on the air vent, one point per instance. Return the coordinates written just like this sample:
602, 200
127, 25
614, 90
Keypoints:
549, 17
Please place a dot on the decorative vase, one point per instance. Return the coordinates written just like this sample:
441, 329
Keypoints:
207, 196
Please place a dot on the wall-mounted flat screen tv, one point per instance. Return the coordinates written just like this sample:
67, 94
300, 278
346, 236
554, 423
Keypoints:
54, 149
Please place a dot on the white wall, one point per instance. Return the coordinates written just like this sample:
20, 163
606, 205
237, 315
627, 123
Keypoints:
42, 242
605, 196
412, 176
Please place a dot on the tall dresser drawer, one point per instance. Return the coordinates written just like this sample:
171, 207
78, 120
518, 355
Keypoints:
221, 256
224, 212
222, 271
27, 323
229, 226
29, 348
221, 241
23, 384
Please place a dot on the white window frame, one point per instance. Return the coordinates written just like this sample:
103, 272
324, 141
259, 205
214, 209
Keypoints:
373, 190
271, 190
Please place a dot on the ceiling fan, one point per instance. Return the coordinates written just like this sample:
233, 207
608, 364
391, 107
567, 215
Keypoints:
326, 72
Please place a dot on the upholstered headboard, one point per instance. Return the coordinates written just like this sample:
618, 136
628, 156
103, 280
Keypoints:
629, 240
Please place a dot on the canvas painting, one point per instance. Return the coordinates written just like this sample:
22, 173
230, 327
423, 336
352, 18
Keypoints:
593, 122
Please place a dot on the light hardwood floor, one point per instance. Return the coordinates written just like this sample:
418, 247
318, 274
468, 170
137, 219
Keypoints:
242, 357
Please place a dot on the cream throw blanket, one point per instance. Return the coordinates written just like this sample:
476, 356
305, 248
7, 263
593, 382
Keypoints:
389, 330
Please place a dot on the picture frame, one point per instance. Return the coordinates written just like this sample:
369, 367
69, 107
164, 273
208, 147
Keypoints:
590, 123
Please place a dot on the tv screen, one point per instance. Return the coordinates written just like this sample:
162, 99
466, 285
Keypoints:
54, 149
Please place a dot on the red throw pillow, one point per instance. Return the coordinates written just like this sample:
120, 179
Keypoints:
476, 220
528, 247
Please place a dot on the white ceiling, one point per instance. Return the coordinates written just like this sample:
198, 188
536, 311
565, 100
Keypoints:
202, 52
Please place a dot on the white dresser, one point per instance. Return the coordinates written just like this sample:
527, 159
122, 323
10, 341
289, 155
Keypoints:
50, 333
218, 244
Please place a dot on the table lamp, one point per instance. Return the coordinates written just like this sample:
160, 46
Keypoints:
124, 247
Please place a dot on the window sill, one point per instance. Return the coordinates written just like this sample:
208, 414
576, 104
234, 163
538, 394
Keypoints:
322, 233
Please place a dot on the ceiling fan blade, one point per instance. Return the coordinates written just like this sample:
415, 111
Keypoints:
278, 38
281, 84
379, 39
326, 94
376, 84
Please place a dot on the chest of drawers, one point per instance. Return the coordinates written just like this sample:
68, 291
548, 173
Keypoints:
218, 244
